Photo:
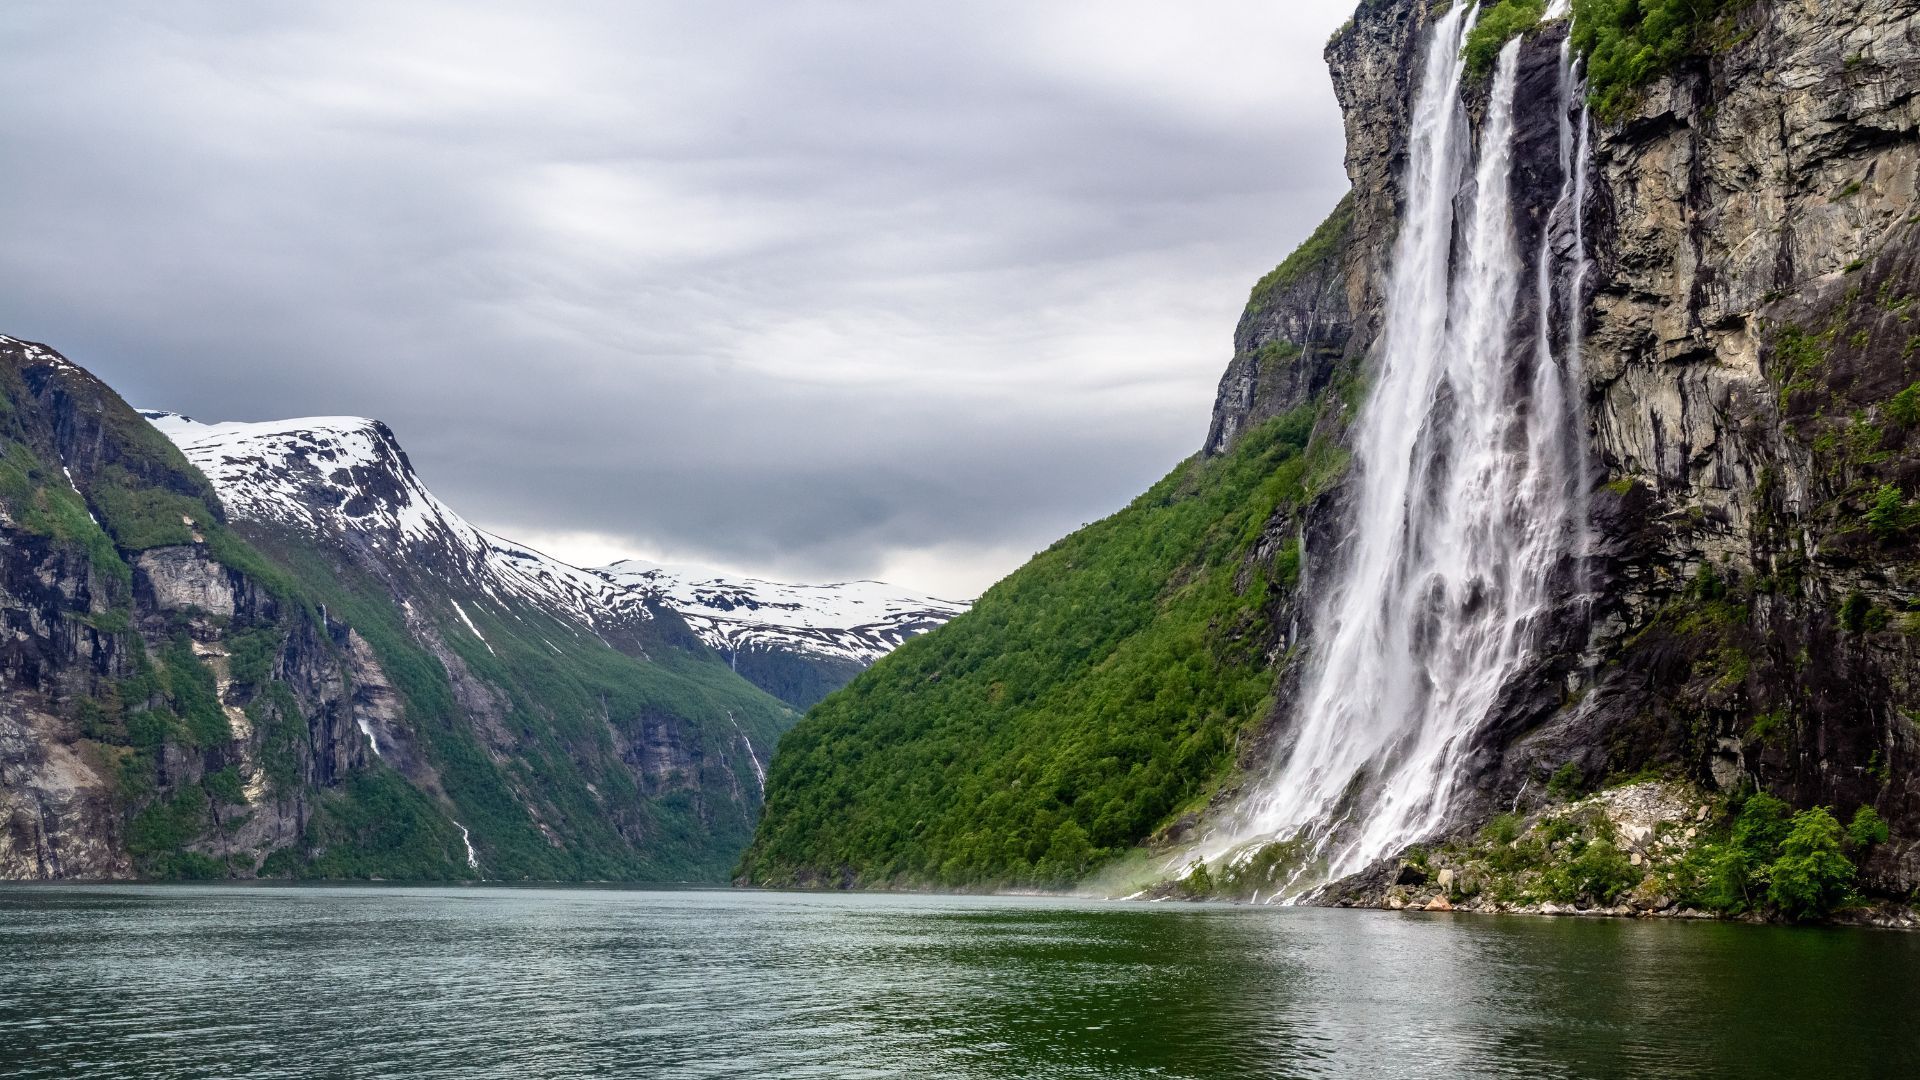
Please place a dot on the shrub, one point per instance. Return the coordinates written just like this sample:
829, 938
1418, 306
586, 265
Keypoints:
1566, 782
1502, 830
1500, 22
1867, 829
1198, 882
1515, 858
1734, 873
1556, 829
1888, 514
1762, 825
1277, 352
165, 827
252, 654
1794, 861
225, 786
1286, 565
1707, 584
1904, 407
1599, 872
1853, 613
1628, 43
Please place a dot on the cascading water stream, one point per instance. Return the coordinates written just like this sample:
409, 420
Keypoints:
1468, 492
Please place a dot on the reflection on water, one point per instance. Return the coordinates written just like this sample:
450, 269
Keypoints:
364, 982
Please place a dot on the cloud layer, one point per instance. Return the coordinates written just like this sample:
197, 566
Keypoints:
817, 290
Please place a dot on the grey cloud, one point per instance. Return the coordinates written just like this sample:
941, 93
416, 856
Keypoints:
801, 288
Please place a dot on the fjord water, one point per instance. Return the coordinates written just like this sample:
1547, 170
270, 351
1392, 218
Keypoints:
230, 981
1467, 489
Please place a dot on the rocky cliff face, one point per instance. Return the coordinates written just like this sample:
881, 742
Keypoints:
1292, 337
1749, 348
123, 612
1750, 337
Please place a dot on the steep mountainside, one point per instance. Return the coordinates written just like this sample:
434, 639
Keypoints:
191, 696
1111, 682
1728, 270
348, 480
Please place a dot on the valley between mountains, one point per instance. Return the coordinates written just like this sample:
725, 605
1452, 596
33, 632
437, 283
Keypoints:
1553, 546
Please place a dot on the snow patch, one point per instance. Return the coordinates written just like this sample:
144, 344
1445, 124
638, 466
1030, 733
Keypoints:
853, 620
475, 629
77, 491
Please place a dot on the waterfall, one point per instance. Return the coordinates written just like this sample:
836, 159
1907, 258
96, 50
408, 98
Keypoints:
473, 857
1467, 495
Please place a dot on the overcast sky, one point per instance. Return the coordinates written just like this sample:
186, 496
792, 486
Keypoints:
811, 290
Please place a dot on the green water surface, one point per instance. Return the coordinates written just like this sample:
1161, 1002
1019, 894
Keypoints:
236, 981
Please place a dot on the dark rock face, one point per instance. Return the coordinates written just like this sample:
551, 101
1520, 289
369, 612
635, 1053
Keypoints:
1755, 230
1291, 337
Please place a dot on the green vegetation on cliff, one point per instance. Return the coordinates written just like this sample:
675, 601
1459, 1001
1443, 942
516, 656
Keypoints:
1329, 238
1500, 22
1084, 701
1626, 43
1629, 43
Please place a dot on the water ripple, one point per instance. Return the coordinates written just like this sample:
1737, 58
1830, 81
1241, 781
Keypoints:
521, 984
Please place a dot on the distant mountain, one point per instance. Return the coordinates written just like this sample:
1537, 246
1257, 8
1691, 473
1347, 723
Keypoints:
797, 642
347, 479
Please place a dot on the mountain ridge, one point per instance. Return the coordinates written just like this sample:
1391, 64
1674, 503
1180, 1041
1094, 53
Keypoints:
348, 477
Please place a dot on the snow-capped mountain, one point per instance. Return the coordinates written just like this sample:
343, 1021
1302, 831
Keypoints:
346, 477
348, 480
852, 620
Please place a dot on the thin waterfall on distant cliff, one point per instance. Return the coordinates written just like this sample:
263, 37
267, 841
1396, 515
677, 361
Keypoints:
1467, 494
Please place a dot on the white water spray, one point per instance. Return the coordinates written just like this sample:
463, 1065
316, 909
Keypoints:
1467, 495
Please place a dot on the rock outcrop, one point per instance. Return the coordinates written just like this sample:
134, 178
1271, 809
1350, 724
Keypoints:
116, 691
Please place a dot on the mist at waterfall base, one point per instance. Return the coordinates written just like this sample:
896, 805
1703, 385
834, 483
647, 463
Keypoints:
1467, 511
483, 983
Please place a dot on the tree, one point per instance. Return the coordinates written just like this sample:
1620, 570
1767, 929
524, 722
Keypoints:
1812, 875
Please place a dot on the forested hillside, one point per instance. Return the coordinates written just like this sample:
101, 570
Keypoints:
1103, 687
